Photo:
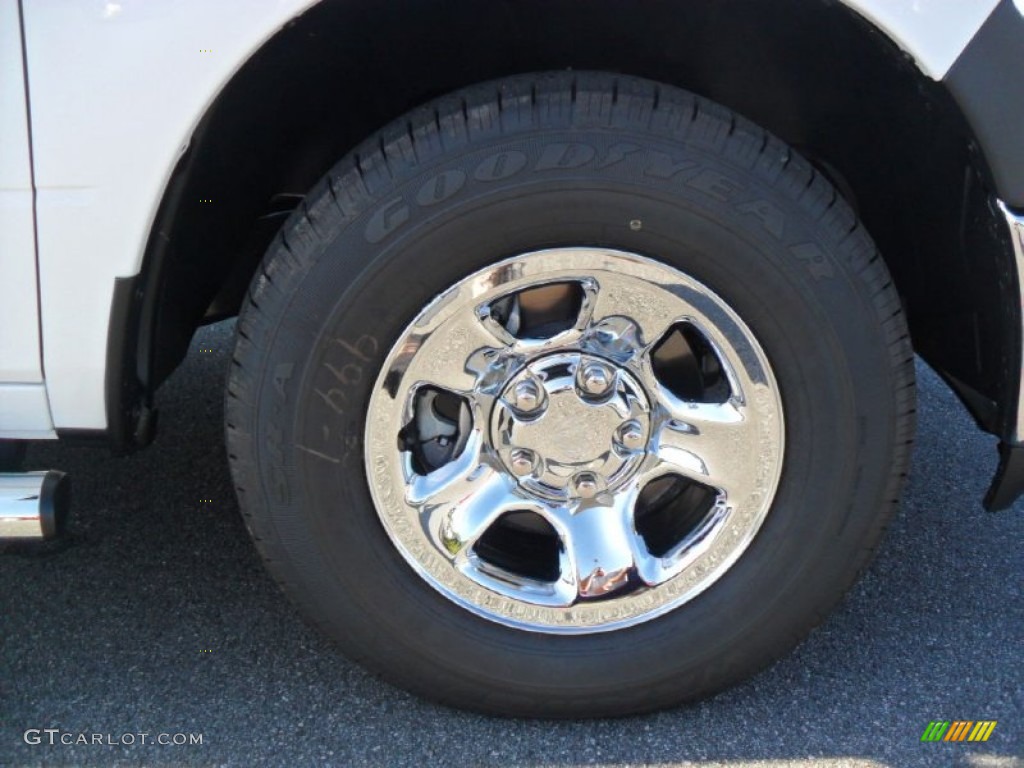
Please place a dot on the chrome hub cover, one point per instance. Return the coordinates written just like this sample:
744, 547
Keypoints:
576, 434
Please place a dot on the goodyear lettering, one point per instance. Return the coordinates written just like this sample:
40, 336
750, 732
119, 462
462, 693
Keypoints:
387, 219
617, 153
505, 164
662, 166
564, 157
500, 166
440, 188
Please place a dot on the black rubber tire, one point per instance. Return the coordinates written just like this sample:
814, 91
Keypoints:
543, 161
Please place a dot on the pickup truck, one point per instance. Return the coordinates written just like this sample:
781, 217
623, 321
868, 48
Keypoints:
574, 356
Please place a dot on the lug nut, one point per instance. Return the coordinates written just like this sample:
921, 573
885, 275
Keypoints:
526, 396
596, 378
521, 462
586, 485
631, 435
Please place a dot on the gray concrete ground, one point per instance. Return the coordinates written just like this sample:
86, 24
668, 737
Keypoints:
154, 616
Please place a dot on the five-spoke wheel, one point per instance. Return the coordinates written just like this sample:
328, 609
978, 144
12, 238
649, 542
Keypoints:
586, 438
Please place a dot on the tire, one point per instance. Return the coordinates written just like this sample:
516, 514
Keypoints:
629, 176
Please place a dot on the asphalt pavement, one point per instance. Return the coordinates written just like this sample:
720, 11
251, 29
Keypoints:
153, 616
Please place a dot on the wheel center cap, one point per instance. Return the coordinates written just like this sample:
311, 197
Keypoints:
571, 425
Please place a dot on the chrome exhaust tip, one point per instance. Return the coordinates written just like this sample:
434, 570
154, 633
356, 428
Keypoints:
33, 505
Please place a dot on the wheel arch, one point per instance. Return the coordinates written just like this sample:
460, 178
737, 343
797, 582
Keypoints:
817, 74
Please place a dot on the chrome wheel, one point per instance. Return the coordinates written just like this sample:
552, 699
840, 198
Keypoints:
574, 440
